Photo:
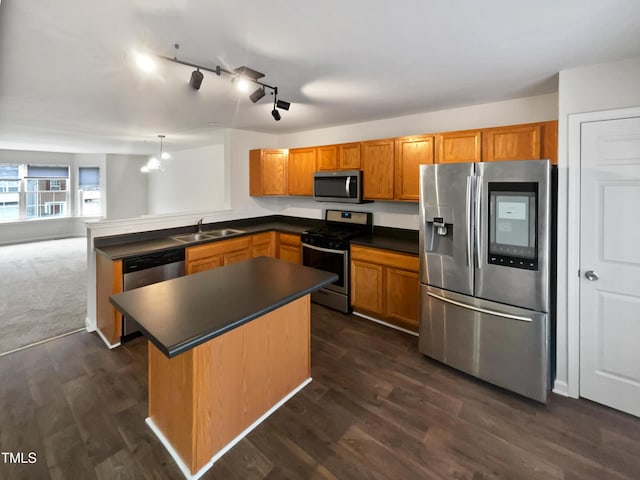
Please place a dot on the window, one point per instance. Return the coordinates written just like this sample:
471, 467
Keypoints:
9, 192
89, 192
47, 191
33, 191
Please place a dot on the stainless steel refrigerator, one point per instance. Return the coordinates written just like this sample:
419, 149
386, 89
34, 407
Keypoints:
485, 271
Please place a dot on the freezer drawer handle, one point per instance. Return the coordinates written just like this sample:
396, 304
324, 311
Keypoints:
481, 310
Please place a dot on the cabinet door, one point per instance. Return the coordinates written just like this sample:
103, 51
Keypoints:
455, 147
302, 164
377, 169
411, 152
327, 157
519, 142
349, 156
203, 264
267, 172
263, 244
403, 298
290, 253
233, 257
367, 286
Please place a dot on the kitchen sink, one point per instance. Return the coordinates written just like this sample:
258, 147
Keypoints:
223, 232
192, 237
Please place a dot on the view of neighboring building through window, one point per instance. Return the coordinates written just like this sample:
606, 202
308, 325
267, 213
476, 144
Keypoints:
9, 192
47, 191
33, 191
89, 191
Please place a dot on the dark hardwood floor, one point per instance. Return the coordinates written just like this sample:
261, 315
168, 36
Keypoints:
376, 409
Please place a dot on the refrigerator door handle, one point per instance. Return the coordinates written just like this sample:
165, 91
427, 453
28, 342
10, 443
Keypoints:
478, 221
478, 309
469, 225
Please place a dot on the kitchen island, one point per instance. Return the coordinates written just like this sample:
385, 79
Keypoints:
227, 347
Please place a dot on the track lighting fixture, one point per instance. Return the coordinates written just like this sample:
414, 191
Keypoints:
257, 95
282, 104
196, 79
241, 77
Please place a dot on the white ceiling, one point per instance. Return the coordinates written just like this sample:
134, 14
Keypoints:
67, 82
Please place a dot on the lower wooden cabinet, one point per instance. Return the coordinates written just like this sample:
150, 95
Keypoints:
385, 285
263, 245
215, 254
289, 248
109, 281
367, 281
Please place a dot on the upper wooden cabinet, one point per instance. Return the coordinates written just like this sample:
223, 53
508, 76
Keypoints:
391, 166
327, 157
454, 147
531, 141
302, 164
520, 142
349, 156
411, 152
378, 169
267, 172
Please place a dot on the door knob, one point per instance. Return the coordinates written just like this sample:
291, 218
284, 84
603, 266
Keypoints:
591, 275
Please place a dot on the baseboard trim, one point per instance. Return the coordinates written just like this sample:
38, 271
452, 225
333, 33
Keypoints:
561, 388
395, 327
107, 342
183, 467
40, 342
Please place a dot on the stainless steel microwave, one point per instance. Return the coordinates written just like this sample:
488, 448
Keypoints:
338, 186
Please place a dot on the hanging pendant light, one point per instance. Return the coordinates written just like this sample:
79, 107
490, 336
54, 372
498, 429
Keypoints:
155, 163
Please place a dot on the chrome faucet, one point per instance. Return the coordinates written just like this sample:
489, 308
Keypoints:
200, 226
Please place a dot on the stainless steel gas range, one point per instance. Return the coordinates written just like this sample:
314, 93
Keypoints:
327, 248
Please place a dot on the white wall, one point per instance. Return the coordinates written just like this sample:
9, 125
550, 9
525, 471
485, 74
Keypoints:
586, 89
126, 186
405, 215
192, 180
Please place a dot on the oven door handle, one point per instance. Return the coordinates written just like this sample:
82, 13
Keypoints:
320, 249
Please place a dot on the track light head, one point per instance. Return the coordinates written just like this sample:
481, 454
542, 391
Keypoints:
196, 79
257, 95
275, 114
282, 104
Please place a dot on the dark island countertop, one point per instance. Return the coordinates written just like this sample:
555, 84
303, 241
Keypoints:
180, 314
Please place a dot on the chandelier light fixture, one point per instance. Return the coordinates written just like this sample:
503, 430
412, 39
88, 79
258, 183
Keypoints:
242, 79
155, 163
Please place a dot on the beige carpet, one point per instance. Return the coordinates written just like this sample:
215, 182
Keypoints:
43, 290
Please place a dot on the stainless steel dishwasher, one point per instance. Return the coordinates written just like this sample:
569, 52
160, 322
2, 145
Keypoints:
146, 270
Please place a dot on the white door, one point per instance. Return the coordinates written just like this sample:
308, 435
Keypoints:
610, 263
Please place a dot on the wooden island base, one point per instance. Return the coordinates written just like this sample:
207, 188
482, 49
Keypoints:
203, 401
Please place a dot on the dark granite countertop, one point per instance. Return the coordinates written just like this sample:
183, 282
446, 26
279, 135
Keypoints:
128, 245
396, 239
180, 314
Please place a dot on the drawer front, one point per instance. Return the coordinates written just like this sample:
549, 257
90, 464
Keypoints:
198, 252
386, 257
288, 239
